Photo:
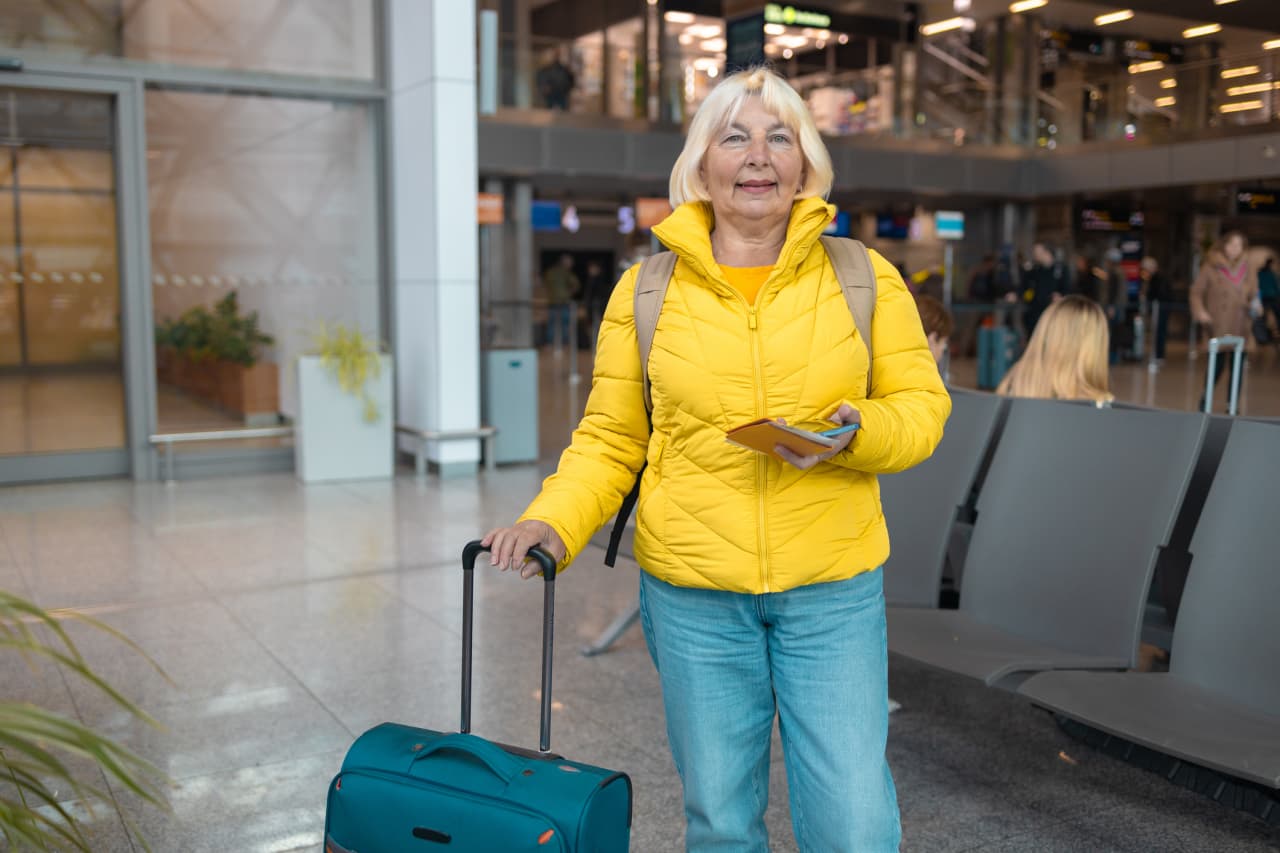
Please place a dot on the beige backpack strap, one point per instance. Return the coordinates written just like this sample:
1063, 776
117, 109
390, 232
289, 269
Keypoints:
651, 292
857, 279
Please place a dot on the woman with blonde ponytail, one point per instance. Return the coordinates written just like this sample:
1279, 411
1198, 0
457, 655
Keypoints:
1066, 358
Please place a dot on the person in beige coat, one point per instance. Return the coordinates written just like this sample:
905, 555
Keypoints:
1224, 296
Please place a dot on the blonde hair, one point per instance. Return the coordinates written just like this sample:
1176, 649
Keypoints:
721, 108
1066, 358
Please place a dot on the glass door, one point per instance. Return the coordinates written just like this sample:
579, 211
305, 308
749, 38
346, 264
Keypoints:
62, 390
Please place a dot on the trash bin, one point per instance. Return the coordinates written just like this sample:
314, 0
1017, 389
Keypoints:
510, 403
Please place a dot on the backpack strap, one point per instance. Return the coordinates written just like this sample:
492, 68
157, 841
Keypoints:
650, 293
857, 279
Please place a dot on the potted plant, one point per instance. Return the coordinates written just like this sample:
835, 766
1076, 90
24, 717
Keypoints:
34, 742
215, 355
345, 427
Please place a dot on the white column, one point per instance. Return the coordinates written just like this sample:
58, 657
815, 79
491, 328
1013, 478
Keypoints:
431, 66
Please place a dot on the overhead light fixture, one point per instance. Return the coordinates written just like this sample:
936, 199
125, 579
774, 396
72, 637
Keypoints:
1168, 83
1240, 106
1241, 71
1223, 2
774, 29
1113, 17
1271, 45
1166, 101
1205, 30
1251, 89
788, 53
703, 31
1026, 5
843, 38
943, 26
713, 45
1140, 67
679, 18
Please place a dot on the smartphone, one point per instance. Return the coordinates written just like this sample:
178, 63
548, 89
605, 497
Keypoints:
840, 430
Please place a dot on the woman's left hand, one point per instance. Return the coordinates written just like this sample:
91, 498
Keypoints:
846, 414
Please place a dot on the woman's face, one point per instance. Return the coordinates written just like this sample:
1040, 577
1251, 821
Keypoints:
754, 166
1233, 248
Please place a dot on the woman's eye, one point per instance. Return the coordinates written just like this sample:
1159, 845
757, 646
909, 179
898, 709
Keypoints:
781, 138
734, 137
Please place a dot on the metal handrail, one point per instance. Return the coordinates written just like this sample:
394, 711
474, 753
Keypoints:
169, 439
486, 434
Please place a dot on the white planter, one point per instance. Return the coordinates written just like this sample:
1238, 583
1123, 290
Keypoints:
332, 439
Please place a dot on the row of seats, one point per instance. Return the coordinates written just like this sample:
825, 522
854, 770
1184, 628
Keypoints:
1071, 509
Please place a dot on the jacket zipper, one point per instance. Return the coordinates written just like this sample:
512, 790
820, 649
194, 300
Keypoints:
761, 460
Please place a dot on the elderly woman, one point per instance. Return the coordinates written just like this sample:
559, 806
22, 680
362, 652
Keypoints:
761, 591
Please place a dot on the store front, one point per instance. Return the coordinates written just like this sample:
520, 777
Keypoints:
183, 200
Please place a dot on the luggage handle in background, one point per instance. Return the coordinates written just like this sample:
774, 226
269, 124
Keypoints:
548, 564
1236, 343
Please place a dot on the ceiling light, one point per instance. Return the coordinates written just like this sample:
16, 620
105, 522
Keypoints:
774, 29
703, 31
1242, 71
1271, 45
1166, 101
792, 41
679, 18
1026, 5
1168, 83
943, 26
843, 38
1113, 17
1140, 67
713, 45
787, 54
1240, 106
1251, 89
1206, 30
1222, 2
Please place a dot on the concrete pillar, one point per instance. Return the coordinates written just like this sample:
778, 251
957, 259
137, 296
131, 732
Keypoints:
432, 105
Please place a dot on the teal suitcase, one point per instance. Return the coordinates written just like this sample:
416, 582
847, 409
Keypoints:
409, 789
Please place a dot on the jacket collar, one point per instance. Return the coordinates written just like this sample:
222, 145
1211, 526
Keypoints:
687, 232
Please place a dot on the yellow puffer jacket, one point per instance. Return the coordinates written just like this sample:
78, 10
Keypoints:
714, 515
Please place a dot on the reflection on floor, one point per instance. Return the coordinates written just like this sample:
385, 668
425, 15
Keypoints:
291, 618
54, 411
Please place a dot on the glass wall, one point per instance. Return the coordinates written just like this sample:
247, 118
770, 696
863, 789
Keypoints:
60, 382
328, 38
262, 205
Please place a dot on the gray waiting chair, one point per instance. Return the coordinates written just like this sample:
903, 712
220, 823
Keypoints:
1218, 706
920, 504
1073, 509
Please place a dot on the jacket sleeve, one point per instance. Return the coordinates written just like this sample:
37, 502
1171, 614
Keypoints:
903, 418
609, 445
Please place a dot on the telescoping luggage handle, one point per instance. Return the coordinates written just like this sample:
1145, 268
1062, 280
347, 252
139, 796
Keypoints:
1216, 345
548, 564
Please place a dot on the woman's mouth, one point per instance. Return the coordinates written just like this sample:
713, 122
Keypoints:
757, 187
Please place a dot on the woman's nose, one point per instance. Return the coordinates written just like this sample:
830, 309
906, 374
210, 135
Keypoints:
758, 152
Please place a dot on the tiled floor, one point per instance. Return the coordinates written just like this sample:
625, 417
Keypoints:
288, 619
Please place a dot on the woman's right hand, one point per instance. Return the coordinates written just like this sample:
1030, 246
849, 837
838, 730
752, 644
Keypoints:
509, 546
1203, 317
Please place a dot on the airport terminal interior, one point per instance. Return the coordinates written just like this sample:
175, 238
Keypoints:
206, 206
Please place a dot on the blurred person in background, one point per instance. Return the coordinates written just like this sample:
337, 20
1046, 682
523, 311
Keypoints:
1155, 286
1045, 280
938, 324
1066, 358
1224, 296
562, 287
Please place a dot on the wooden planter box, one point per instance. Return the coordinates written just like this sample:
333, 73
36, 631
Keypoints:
252, 393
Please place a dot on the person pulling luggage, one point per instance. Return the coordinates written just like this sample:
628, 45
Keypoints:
761, 591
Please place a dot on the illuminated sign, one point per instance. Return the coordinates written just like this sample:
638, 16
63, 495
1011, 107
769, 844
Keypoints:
651, 211
490, 209
1258, 201
776, 13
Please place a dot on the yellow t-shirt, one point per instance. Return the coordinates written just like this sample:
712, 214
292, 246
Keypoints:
747, 280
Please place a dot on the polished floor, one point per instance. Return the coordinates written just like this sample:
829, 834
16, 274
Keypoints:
290, 618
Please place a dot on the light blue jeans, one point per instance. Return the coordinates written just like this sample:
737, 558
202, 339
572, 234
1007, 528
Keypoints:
817, 656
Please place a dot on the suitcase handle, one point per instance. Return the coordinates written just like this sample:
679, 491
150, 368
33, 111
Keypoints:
496, 759
548, 563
